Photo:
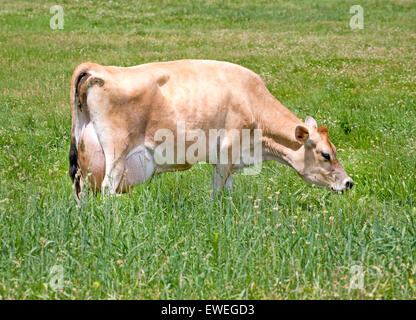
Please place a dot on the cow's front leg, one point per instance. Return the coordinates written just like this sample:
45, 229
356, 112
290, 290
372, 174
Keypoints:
229, 183
221, 177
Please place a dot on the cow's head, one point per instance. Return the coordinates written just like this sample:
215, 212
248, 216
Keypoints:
316, 161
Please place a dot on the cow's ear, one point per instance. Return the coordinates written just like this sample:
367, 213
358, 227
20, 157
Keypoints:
301, 133
311, 123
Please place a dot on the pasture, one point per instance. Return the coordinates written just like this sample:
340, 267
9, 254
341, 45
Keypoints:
273, 236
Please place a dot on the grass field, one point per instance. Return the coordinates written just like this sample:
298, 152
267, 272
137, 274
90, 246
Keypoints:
170, 239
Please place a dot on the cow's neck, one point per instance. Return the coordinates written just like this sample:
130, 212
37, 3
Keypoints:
278, 152
278, 126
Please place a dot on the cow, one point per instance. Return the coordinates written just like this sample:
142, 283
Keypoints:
118, 112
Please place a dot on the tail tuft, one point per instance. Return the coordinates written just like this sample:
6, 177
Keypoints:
73, 167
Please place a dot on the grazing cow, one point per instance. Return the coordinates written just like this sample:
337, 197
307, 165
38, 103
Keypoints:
117, 115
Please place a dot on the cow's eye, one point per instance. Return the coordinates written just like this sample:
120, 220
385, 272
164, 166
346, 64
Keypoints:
326, 156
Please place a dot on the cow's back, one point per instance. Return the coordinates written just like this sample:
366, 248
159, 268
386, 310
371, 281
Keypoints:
205, 93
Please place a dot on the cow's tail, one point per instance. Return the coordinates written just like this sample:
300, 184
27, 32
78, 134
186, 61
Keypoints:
82, 79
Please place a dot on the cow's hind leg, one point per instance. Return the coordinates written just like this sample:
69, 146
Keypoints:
91, 158
115, 143
114, 169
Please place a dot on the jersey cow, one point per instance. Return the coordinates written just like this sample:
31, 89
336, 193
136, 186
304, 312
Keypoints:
121, 118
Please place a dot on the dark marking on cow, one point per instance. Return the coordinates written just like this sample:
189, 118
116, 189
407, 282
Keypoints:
95, 81
162, 79
323, 130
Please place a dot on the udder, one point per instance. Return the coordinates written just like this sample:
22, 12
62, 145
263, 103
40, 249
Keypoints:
91, 157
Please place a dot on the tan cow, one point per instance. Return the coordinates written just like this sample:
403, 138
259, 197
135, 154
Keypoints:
118, 112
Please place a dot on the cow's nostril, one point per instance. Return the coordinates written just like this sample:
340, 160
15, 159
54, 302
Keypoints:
349, 184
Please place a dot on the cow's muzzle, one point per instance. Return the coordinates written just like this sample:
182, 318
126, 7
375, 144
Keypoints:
346, 184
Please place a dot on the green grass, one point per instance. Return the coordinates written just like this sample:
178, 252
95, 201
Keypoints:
170, 239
